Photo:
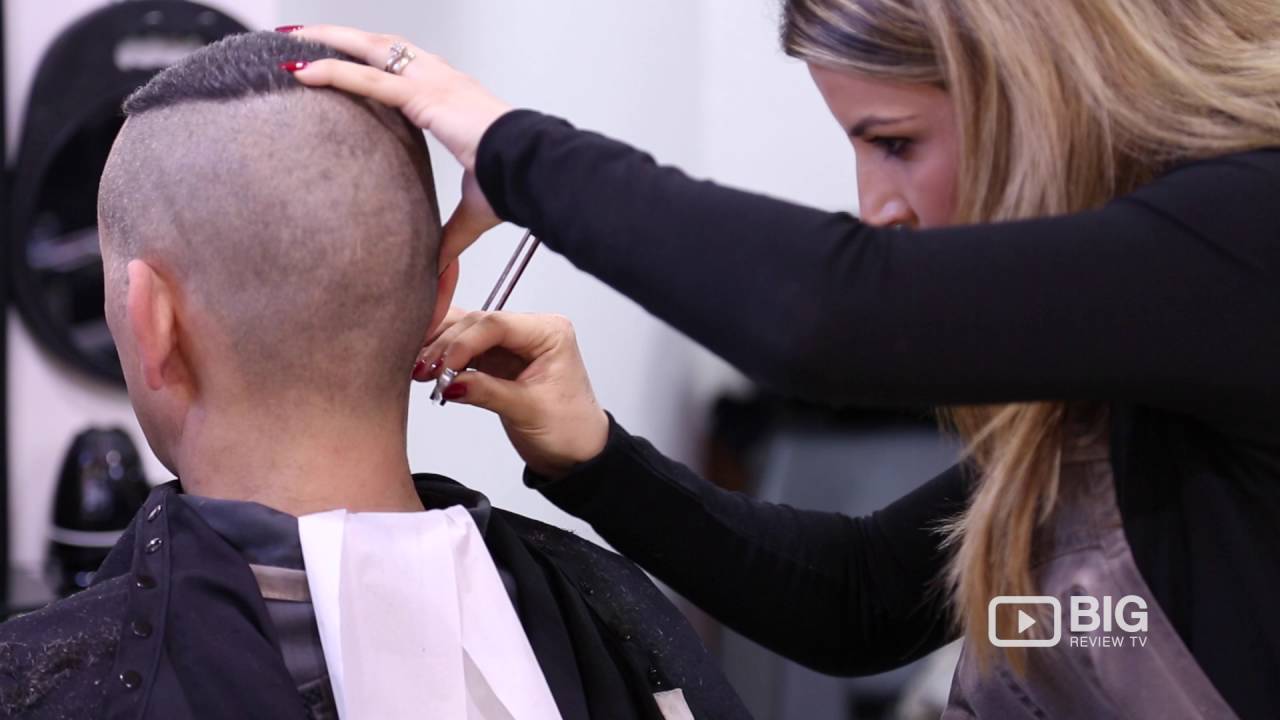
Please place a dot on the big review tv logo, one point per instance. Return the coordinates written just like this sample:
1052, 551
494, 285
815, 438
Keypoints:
1088, 614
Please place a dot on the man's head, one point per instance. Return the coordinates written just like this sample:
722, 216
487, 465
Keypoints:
265, 244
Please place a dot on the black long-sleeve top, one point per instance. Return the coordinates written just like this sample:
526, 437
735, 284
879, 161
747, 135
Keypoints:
1164, 305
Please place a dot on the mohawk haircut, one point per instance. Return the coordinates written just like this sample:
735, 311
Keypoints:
230, 69
302, 221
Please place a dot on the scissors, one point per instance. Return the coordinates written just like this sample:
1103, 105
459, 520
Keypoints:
519, 260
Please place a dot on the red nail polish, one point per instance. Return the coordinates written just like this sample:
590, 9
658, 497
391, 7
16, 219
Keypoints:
293, 66
417, 368
454, 391
288, 28
434, 366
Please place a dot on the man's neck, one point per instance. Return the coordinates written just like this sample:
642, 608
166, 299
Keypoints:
299, 462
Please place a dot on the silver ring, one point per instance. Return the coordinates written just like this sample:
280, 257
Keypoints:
398, 59
442, 383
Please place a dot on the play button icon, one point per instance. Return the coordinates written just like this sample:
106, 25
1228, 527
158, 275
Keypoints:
1024, 621
1031, 613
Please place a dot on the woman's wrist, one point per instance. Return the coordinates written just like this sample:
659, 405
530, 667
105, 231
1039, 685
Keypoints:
606, 439
590, 439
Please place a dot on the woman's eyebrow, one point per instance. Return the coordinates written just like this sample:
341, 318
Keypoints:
860, 128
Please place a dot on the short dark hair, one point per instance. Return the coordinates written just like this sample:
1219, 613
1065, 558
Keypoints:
232, 68
302, 221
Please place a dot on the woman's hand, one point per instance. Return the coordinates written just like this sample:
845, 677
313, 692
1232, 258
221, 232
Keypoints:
528, 370
450, 105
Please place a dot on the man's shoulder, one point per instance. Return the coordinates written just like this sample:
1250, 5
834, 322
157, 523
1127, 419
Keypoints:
58, 657
573, 553
642, 623
621, 593
575, 556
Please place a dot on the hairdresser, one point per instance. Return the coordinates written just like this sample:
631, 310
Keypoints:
1070, 241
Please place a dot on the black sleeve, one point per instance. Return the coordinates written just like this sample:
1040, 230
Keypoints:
842, 595
1167, 297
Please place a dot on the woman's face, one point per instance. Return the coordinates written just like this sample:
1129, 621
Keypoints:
904, 140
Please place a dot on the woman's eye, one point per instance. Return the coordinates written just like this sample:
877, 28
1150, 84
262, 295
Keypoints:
892, 146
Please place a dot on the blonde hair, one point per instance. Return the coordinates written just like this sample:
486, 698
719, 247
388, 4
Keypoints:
1061, 106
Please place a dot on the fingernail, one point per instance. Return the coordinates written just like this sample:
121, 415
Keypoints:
417, 369
288, 28
434, 366
454, 391
293, 66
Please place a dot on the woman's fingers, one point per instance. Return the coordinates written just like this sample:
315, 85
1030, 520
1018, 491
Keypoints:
430, 359
502, 397
371, 48
352, 41
453, 107
387, 88
525, 336
451, 318
527, 370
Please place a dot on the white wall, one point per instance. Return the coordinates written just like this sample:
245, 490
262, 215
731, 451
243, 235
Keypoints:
701, 85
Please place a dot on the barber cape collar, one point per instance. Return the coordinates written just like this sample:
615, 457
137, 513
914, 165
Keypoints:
414, 619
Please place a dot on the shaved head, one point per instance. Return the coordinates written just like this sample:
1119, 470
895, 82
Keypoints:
299, 226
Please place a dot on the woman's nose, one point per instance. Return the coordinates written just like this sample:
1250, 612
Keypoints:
893, 211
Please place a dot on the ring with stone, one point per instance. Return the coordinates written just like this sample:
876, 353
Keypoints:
398, 59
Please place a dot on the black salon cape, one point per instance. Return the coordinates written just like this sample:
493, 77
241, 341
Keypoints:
174, 626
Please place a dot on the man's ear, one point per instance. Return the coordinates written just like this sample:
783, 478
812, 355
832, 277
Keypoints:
445, 285
149, 305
